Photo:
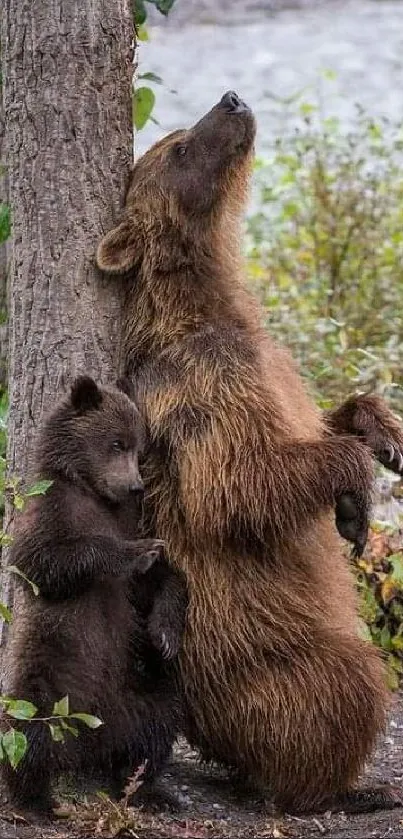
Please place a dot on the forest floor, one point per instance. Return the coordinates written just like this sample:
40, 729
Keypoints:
212, 808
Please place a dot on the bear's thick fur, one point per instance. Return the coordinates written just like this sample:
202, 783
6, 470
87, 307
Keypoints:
81, 636
241, 477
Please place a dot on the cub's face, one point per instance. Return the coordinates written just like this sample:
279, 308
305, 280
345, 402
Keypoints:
185, 181
101, 436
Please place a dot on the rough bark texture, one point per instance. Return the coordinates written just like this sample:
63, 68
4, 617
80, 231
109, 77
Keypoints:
67, 100
3, 254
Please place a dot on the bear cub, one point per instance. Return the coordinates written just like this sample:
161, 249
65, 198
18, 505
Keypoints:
90, 634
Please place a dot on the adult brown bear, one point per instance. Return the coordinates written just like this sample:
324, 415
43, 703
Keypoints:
242, 474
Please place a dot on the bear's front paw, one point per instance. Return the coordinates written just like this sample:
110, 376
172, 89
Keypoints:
381, 430
352, 522
390, 453
164, 636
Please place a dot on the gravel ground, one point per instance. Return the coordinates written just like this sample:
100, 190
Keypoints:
213, 809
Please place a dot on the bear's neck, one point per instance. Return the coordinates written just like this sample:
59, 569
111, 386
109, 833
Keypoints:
190, 287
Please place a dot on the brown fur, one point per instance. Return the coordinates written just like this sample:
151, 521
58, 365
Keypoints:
241, 478
82, 636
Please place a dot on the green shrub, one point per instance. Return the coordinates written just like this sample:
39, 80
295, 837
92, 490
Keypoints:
325, 255
325, 252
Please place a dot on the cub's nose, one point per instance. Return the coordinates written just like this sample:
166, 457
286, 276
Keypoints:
137, 487
232, 103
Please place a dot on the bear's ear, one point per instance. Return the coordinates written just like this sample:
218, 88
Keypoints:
119, 250
85, 394
125, 385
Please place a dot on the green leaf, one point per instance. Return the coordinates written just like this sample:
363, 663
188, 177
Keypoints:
164, 6
396, 561
5, 222
139, 12
56, 733
385, 639
20, 709
15, 570
5, 613
71, 728
15, 746
40, 488
61, 708
87, 719
151, 77
18, 502
142, 33
143, 103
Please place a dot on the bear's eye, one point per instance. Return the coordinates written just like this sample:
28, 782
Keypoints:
118, 446
181, 150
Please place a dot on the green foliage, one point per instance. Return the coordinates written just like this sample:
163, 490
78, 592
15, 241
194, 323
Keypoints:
39, 488
379, 575
14, 744
325, 252
5, 222
325, 255
143, 104
140, 9
14, 570
19, 708
144, 96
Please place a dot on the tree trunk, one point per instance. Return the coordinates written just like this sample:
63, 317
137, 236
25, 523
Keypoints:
3, 255
67, 99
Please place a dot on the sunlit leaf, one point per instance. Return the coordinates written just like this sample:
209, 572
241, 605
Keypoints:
15, 746
15, 570
87, 719
5, 613
20, 709
40, 488
61, 708
143, 104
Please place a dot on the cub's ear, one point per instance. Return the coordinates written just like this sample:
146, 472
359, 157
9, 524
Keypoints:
85, 394
119, 250
125, 385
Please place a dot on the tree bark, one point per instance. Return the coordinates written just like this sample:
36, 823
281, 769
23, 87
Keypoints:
3, 254
69, 138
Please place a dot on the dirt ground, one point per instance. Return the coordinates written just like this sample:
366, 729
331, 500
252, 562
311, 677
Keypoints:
212, 809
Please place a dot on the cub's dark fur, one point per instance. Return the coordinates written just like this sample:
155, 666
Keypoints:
81, 636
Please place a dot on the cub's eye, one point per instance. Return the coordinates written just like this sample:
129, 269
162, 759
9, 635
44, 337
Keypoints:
118, 446
181, 150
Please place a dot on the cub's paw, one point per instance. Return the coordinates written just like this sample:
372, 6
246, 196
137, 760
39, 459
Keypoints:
165, 636
352, 522
145, 553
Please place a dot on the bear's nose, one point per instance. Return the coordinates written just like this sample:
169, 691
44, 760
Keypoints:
137, 487
232, 103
